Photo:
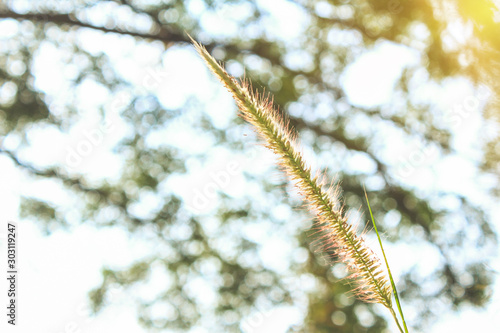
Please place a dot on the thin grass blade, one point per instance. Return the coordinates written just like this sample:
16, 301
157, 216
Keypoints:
395, 291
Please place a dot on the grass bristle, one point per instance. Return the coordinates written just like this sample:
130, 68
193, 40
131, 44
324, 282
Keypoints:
364, 266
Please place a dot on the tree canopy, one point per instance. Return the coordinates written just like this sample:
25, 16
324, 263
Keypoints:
111, 56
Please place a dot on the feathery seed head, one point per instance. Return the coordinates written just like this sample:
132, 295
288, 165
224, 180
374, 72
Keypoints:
337, 234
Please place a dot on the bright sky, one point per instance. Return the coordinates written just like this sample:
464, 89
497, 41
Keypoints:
57, 271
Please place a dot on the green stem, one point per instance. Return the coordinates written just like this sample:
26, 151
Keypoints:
396, 296
396, 319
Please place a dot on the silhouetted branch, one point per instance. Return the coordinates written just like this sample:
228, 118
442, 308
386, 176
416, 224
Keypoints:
69, 19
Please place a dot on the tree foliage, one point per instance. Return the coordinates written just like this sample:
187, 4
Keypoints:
216, 248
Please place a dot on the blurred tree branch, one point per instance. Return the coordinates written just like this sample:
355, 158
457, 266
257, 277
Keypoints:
70, 20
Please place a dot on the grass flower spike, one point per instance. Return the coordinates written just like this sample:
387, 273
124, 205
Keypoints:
365, 268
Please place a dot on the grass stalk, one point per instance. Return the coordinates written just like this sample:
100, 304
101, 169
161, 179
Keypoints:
337, 234
394, 289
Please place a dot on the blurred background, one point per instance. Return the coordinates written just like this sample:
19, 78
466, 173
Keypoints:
145, 204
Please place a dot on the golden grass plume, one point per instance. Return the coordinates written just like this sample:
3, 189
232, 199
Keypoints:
365, 267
